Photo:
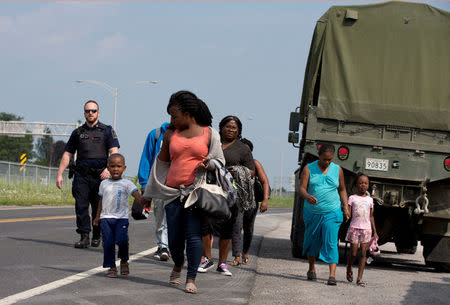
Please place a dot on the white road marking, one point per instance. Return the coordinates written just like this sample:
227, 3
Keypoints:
65, 281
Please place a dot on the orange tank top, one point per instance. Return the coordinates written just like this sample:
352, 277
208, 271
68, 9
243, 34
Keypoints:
185, 155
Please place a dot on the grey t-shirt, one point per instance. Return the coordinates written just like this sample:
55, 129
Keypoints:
114, 195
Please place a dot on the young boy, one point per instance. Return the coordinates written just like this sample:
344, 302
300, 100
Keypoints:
112, 214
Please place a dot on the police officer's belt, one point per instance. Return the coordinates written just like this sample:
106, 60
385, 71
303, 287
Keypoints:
84, 170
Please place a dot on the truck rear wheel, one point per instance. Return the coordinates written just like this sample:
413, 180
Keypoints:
297, 241
408, 246
297, 227
405, 235
384, 224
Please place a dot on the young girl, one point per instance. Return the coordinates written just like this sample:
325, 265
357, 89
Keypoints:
361, 226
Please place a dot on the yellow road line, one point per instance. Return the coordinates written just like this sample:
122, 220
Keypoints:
35, 218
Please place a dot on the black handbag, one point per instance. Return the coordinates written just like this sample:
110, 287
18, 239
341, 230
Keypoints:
258, 189
138, 212
210, 199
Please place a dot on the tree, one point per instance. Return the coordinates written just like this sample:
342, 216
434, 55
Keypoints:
11, 148
58, 151
48, 152
44, 149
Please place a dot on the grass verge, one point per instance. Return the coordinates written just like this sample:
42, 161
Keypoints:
281, 201
27, 194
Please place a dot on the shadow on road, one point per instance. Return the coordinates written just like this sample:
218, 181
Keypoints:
131, 278
428, 293
275, 248
51, 242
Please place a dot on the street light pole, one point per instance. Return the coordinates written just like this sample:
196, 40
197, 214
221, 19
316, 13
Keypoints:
116, 96
115, 91
282, 146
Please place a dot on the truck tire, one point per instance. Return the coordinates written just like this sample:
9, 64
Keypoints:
298, 226
384, 224
405, 233
407, 247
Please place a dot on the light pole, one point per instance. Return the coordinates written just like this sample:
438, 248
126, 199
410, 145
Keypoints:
282, 147
115, 91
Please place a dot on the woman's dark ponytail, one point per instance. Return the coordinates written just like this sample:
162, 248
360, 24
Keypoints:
188, 102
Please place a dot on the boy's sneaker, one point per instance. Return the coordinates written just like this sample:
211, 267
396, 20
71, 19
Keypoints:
205, 265
164, 254
223, 269
157, 254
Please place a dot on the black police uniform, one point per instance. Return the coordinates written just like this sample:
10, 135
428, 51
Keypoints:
92, 145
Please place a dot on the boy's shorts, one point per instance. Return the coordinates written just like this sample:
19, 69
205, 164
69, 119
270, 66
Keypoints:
358, 236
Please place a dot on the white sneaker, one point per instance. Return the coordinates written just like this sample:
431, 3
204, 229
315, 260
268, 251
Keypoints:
223, 269
205, 265
164, 255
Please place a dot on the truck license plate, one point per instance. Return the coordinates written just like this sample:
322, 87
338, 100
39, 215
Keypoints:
377, 164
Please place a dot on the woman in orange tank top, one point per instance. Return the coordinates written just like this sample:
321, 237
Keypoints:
186, 147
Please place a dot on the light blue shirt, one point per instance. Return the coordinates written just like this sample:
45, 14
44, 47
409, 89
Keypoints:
324, 188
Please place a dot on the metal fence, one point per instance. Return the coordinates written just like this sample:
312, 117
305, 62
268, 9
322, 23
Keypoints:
282, 186
10, 173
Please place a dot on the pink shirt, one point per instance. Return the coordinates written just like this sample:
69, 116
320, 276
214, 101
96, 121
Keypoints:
185, 155
360, 211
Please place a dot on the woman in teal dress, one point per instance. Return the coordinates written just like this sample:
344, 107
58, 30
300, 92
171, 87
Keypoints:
323, 189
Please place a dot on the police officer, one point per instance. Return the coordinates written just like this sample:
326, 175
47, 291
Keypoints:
92, 141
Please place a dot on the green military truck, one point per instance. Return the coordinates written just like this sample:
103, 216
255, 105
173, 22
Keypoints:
377, 87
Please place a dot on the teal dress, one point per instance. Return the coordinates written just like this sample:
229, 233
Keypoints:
322, 220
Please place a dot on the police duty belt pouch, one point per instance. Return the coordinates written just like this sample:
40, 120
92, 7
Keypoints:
210, 199
138, 212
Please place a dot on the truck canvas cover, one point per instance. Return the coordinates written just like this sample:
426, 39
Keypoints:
386, 63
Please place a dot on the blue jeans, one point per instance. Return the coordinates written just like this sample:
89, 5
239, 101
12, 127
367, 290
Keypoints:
184, 226
161, 224
114, 231
161, 235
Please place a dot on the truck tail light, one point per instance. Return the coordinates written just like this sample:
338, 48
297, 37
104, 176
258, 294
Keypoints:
447, 163
343, 153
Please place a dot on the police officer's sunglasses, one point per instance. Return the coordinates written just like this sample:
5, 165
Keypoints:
90, 110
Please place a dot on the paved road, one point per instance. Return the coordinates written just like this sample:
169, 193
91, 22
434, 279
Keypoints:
38, 265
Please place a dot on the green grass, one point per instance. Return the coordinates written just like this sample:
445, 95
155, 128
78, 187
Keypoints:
281, 201
28, 193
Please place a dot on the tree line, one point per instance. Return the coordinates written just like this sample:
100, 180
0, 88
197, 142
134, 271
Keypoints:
46, 151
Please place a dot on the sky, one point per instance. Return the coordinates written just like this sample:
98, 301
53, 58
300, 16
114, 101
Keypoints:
242, 58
